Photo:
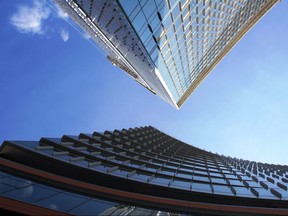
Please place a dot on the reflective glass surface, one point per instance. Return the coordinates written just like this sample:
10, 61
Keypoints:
148, 156
25, 190
184, 38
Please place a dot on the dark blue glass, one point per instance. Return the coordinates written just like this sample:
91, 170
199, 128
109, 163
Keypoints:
201, 187
93, 207
222, 189
181, 184
30, 194
62, 201
4, 188
243, 191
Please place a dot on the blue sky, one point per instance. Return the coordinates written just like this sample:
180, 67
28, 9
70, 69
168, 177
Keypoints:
55, 82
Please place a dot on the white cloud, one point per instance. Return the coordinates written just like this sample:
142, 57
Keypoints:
61, 14
29, 19
86, 36
64, 35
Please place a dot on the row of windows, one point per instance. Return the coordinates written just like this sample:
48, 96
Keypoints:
184, 37
28, 191
120, 42
119, 158
181, 37
109, 155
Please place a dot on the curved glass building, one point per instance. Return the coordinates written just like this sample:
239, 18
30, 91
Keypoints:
168, 46
140, 171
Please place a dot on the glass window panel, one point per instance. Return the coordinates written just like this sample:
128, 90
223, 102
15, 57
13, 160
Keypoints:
200, 172
46, 151
149, 9
160, 181
243, 191
246, 178
173, 42
155, 23
270, 185
187, 170
158, 163
93, 207
283, 192
181, 184
172, 165
163, 9
218, 180
170, 33
155, 55
85, 151
152, 169
150, 45
201, 178
178, 23
182, 175
145, 35
62, 201
166, 172
163, 44
31, 193
101, 168
140, 177
4, 188
230, 176
158, 32
134, 165
165, 50
82, 163
143, 2
182, 45
176, 11
167, 23
16, 182
253, 184
138, 21
47, 187
63, 157
216, 174
222, 189
201, 187
263, 193
120, 172
133, 8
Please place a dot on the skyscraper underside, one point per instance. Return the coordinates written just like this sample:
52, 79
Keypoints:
168, 46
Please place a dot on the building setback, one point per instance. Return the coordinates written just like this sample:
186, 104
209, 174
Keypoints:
168, 46
140, 171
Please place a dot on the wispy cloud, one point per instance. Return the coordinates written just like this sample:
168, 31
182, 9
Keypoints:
86, 36
64, 35
61, 14
29, 19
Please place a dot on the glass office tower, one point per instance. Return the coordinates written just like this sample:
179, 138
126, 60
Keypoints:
168, 46
139, 171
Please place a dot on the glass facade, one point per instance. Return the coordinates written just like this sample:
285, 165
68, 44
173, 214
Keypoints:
185, 37
141, 160
40, 194
169, 46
